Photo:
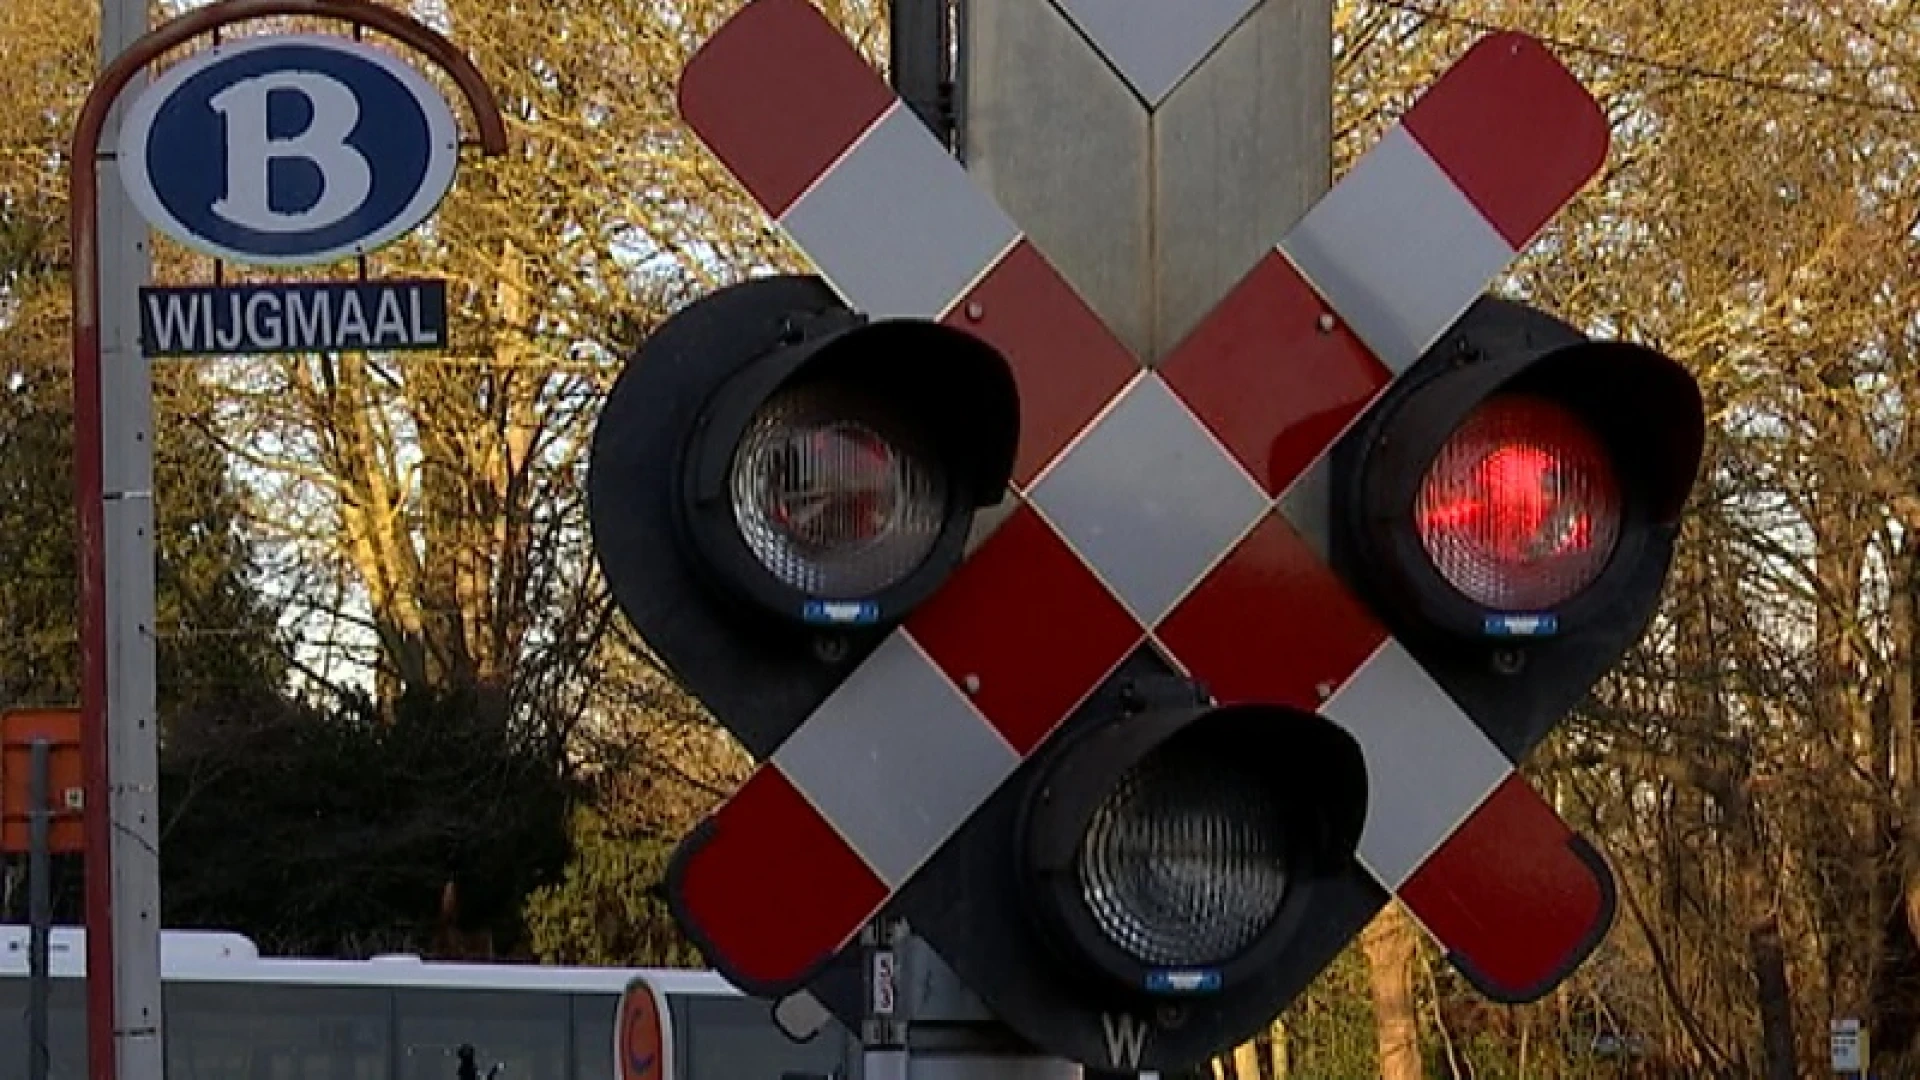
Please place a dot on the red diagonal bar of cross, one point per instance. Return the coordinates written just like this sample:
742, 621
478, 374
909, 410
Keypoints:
1154, 504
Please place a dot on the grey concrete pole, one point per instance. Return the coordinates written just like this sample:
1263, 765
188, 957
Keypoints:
1152, 185
1154, 152
133, 733
952, 1036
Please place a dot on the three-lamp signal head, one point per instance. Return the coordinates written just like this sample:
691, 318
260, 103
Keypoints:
775, 473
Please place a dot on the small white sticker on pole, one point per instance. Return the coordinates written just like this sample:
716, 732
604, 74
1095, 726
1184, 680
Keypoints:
1847, 1043
883, 974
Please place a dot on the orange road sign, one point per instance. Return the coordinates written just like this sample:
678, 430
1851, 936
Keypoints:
19, 729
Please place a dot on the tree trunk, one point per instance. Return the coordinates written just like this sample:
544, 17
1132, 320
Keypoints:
1905, 768
1246, 1060
1389, 943
1776, 1001
1279, 1052
1766, 955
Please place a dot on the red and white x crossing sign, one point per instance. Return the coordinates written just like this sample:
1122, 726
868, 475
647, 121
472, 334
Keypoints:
1155, 506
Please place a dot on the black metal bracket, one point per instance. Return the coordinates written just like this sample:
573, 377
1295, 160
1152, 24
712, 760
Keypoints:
922, 61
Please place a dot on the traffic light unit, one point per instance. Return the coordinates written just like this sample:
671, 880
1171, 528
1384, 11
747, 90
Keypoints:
1509, 509
772, 487
1167, 862
1263, 636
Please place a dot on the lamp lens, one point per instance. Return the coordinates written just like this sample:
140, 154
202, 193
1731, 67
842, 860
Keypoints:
834, 496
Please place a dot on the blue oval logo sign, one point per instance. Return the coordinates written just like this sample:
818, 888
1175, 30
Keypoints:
289, 150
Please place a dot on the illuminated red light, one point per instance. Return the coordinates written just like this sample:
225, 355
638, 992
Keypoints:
1521, 509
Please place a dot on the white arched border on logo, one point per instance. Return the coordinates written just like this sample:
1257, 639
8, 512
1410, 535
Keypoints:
443, 149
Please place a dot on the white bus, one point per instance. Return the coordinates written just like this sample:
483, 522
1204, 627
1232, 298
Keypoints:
232, 1014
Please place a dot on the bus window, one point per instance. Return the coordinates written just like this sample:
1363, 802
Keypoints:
723, 1038
252, 1031
593, 1035
13, 1028
66, 1024
526, 1035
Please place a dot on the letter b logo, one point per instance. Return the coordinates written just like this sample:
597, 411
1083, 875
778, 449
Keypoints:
345, 177
322, 148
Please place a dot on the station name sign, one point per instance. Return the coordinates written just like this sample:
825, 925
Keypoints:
334, 316
290, 150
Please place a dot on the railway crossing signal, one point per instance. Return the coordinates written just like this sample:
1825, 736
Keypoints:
1267, 627
1510, 510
